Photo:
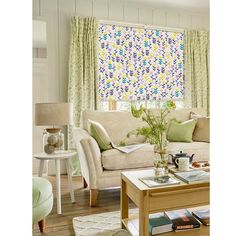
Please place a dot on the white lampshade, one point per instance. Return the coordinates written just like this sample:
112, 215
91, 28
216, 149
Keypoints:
53, 114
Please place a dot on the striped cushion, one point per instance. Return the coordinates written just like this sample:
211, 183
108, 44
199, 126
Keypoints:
98, 132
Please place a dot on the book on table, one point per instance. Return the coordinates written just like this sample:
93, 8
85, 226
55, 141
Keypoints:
159, 223
193, 176
153, 181
182, 220
203, 216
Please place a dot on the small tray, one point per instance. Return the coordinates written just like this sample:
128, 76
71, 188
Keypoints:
173, 168
202, 167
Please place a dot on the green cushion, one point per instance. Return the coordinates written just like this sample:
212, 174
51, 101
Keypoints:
42, 190
42, 198
181, 131
98, 132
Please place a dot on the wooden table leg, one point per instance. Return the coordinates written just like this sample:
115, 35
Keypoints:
143, 214
124, 202
41, 166
70, 185
58, 183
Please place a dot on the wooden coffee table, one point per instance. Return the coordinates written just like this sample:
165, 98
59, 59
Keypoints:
159, 199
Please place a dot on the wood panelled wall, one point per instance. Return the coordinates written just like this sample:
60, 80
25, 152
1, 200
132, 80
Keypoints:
57, 14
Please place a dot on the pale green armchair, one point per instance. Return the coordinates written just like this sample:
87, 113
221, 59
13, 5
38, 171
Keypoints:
42, 197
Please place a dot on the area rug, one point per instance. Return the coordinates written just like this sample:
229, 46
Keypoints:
102, 224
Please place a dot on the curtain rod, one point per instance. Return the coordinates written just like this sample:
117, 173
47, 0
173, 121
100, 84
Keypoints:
143, 26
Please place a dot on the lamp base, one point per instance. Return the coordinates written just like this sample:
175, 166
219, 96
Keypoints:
53, 140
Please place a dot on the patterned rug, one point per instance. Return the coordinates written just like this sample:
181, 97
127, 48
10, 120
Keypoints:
103, 224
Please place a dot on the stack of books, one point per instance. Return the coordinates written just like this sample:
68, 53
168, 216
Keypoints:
182, 220
178, 220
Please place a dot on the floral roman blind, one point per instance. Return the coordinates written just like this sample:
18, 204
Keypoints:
140, 64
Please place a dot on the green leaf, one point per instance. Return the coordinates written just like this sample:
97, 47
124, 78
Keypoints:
136, 112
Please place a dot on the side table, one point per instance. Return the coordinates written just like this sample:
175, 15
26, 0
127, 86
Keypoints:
57, 157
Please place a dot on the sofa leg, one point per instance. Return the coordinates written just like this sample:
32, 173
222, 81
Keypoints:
41, 225
85, 185
93, 197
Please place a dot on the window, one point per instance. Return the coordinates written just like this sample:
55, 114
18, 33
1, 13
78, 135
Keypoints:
138, 64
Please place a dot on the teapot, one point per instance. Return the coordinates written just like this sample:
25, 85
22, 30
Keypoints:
180, 154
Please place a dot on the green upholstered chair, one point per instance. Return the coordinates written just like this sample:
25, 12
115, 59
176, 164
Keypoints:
42, 197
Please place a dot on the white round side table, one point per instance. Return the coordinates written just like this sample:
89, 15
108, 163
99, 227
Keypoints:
57, 157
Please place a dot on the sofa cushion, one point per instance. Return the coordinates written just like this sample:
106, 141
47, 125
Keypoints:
201, 150
143, 157
181, 131
116, 160
202, 129
98, 132
119, 123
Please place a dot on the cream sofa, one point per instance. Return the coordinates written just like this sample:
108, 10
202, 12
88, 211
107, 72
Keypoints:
102, 169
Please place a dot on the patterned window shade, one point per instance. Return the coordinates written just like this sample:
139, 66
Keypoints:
140, 64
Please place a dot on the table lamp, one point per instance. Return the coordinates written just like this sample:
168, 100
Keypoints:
53, 114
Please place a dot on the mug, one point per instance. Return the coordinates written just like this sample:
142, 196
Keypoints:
183, 163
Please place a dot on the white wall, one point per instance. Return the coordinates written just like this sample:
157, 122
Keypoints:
57, 14
41, 93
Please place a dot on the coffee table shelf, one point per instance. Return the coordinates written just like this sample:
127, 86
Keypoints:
159, 199
132, 225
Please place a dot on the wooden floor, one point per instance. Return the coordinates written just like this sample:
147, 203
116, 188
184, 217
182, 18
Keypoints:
61, 225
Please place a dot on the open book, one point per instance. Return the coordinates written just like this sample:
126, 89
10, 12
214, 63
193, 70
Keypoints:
129, 148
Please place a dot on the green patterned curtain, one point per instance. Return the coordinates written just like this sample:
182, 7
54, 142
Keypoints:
83, 74
197, 69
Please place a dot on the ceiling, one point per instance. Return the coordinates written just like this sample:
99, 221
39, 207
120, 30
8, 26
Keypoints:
197, 6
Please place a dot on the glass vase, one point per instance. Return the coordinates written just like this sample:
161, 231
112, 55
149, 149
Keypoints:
160, 162
53, 140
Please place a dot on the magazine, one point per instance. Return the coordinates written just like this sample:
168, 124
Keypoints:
153, 181
129, 148
193, 176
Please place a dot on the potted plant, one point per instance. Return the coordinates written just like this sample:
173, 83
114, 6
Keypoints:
155, 132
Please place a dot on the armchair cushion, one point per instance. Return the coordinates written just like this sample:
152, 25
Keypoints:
42, 198
42, 190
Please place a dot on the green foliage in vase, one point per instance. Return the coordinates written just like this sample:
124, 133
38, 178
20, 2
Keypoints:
156, 128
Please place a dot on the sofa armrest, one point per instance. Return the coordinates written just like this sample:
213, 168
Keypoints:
89, 156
